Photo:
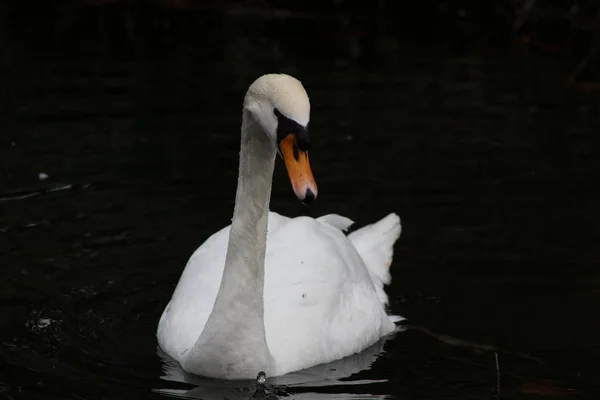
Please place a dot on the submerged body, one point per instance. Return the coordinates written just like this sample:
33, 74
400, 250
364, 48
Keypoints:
270, 293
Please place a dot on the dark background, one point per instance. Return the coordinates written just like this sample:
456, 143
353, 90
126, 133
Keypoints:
477, 122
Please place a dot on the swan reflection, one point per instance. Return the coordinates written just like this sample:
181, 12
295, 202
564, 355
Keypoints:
295, 385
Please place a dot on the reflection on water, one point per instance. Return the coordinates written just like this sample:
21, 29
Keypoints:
325, 375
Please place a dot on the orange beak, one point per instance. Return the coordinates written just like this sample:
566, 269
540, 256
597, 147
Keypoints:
298, 168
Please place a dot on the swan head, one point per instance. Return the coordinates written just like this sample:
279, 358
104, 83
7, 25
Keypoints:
280, 106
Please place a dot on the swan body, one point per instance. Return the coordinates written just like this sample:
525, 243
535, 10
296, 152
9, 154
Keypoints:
271, 293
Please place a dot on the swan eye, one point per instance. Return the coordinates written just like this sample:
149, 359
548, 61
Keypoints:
286, 126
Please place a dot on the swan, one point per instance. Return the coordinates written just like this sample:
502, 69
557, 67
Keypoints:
271, 293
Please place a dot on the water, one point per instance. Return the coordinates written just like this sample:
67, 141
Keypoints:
491, 162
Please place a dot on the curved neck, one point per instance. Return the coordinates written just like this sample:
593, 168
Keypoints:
247, 239
233, 339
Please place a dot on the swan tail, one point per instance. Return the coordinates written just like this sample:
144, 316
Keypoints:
375, 244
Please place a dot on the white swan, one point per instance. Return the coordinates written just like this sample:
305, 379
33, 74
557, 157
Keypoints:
275, 294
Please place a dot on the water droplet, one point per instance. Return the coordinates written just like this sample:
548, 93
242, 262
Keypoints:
261, 378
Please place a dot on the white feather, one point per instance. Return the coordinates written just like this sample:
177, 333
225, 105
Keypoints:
274, 294
320, 298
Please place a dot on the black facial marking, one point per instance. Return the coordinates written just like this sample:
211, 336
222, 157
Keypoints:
285, 126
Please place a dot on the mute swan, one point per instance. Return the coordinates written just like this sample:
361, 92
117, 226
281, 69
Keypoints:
271, 293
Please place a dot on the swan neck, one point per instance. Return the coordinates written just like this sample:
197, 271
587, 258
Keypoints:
247, 240
233, 339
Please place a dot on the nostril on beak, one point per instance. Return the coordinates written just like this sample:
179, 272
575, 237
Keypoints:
308, 197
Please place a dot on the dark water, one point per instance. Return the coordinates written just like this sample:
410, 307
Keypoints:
489, 159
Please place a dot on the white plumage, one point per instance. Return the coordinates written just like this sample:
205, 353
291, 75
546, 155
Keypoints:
322, 293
